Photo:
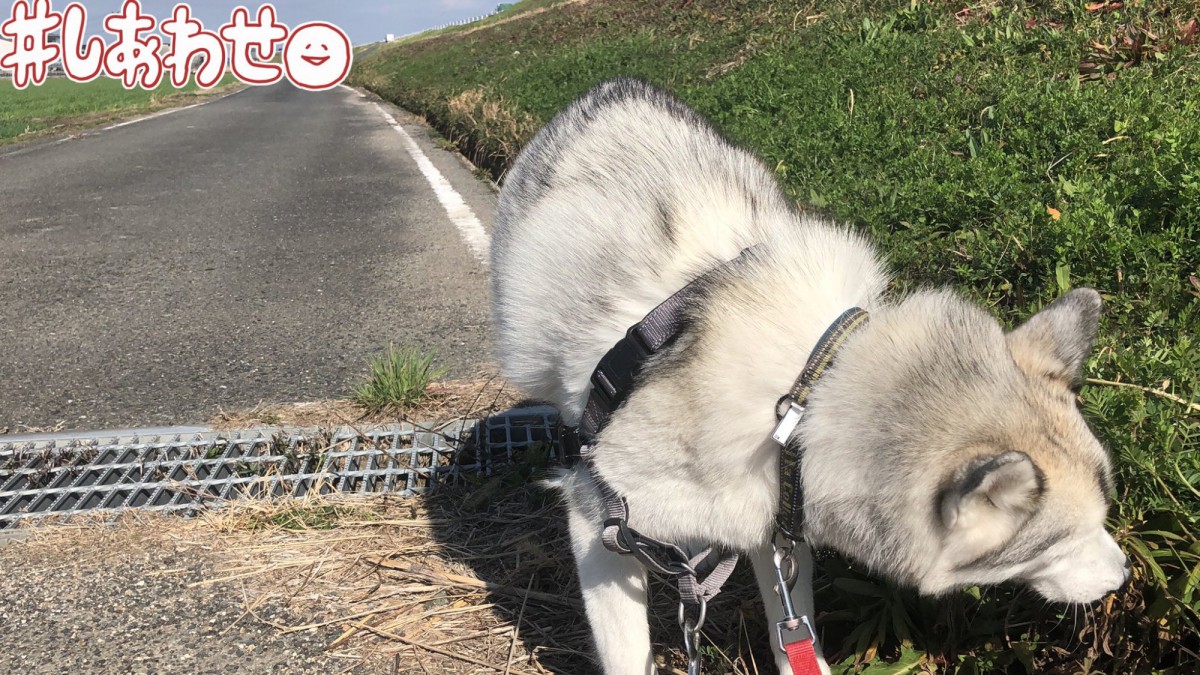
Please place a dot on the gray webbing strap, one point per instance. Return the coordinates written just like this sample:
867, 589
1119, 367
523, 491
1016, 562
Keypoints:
663, 558
616, 373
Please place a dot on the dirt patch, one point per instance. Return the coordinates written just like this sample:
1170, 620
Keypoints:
475, 398
469, 582
520, 17
119, 600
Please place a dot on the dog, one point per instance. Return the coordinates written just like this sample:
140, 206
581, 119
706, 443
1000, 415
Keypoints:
940, 450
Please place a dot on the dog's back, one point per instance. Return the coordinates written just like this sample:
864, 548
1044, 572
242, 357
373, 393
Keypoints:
616, 204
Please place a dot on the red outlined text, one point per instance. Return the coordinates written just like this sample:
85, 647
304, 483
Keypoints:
315, 56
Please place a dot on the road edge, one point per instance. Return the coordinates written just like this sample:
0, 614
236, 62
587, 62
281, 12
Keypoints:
24, 147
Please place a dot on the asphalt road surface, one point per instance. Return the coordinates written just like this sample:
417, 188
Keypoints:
261, 247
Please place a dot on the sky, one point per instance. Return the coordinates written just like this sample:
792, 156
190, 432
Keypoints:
364, 20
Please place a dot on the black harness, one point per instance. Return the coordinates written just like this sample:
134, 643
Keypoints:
616, 375
617, 372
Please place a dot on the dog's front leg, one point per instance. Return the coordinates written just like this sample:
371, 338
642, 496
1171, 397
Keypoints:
802, 597
614, 594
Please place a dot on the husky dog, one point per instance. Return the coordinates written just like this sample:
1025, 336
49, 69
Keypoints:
940, 451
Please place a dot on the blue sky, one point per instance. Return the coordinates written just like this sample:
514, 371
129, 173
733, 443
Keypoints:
364, 20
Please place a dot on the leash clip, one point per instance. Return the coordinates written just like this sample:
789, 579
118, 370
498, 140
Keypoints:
792, 623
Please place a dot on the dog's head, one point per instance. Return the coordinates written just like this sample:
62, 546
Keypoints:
980, 465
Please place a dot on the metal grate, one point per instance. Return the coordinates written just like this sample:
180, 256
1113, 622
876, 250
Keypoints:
185, 473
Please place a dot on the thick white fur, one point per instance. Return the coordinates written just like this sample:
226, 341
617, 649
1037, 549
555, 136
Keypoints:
627, 196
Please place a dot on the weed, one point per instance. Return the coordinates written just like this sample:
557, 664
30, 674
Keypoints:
304, 517
398, 379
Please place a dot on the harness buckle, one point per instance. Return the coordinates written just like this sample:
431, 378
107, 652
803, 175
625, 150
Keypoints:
603, 387
570, 445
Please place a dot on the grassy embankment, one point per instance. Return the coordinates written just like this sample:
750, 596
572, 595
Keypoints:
63, 106
1012, 151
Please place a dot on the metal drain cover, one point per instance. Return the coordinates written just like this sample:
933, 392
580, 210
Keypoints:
188, 472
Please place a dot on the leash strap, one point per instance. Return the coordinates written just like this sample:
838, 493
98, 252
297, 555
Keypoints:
803, 658
790, 410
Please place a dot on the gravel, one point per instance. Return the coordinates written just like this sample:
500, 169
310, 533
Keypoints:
103, 600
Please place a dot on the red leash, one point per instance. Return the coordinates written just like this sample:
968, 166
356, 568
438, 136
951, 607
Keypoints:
802, 657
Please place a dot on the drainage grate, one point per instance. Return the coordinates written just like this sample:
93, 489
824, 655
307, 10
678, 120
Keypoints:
185, 473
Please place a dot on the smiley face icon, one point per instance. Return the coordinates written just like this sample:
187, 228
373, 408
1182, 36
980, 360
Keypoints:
317, 56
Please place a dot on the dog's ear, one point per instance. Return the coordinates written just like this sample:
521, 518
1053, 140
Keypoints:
991, 491
1057, 340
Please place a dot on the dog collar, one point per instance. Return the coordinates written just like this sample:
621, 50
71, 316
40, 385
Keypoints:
789, 411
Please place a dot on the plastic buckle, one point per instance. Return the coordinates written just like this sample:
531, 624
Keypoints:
634, 335
570, 445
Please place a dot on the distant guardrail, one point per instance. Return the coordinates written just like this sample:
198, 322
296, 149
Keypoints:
461, 22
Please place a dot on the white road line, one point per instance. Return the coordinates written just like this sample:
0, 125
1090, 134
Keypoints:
92, 132
460, 214
171, 111
156, 115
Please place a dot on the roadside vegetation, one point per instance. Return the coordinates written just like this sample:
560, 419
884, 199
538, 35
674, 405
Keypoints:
398, 379
61, 105
1013, 150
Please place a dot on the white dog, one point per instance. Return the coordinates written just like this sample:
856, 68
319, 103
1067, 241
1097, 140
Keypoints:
939, 450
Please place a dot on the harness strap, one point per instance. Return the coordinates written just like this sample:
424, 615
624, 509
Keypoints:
693, 591
615, 374
789, 519
664, 558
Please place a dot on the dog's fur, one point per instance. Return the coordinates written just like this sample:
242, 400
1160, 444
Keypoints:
940, 451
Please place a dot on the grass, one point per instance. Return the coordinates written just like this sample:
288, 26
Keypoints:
61, 105
1010, 150
398, 379
518, 10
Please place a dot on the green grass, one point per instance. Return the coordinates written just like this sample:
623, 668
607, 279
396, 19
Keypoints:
398, 379
63, 105
306, 516
1011, 152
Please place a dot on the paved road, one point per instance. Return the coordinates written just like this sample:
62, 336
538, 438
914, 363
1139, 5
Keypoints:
258, 248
